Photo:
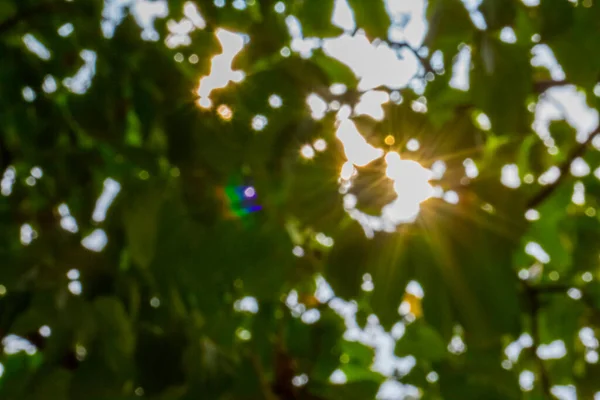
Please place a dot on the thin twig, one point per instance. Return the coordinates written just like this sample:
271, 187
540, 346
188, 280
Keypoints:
403, 45
564, 169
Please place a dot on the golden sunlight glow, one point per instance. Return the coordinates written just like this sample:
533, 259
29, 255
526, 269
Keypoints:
389, 140
411, 181
225, 112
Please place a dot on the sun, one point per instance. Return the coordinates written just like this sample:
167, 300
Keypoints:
410, 182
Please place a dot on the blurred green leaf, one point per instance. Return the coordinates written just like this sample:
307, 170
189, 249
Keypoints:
231, 223
499, 13
315, 17
450, 25
140, 217
117, 341
371, 16
422, 342
501, 82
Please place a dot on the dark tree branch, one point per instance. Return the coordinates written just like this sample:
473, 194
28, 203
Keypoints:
556, 288
532, 296
265, 386
542, 86
547, 191
563, 289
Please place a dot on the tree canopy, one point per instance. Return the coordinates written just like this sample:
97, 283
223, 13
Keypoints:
299, 199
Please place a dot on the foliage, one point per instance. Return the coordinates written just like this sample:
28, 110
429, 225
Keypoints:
205, 290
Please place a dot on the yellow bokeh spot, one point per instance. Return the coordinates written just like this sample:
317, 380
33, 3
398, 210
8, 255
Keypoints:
309, 300
415, 304
225, 112
389, 140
